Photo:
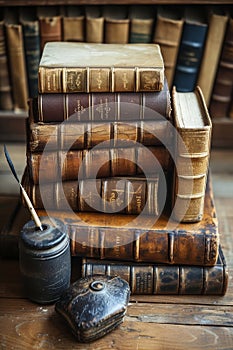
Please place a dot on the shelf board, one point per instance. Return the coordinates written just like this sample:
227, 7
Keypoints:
107, 2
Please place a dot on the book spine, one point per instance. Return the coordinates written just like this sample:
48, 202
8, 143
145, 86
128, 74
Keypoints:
6, 102
162, 279
116, 24
17, 63
223, 87
50, 29
140, 30
111, 195
53, 166
87, 135
167, 34
94, 24
32, 54
105, 79
189, 56
140, 245
73, 28
192, 162
104, 106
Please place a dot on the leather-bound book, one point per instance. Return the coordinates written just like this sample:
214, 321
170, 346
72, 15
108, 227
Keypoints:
6, 102
217, 24
191, 49
17, 60
162, 279
73, 23
221, 96
116, 24
194, 131
50, 23
90, 67
167, 33
105, 106
59, 165
142, 18
126, 195
94, 24
31, 35
143, 238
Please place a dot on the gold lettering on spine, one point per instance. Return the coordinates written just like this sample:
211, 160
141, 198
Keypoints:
103, 109
148, 80
52, 80
99, 80
74, 80
124, 79
79, 109
117, 247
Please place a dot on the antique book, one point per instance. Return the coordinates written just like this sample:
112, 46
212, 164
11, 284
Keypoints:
221, 96
104, 106
6, 101
31, 36
50, 24
194, 128
167, 34
98, 162
73, 24
143, 238
86, 135
191, 49
116, 24
90, 67
217, 23
164, 279
17, 61
94, 24
126, 195
142, 18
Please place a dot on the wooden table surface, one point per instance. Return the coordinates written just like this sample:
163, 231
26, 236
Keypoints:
151, 322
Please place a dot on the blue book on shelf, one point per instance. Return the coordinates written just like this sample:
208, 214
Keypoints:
190, 51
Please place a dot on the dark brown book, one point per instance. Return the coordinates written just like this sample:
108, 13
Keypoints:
103, 106
127, 195
223, 86
6, 102
86, 135
70, 67
164, 279
143, 238
50, 23
53, 166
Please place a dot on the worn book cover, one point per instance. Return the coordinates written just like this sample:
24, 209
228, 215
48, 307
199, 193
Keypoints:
90, 67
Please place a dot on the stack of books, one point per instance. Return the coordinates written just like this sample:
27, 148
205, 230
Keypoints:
124, 164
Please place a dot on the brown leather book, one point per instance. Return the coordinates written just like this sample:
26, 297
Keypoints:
143, 238
167, 33
98, 162
89, 67
17, 61
223, 86
73, 24
94, 24
50, 23
126, 195
194, 129
6, 102
142, 18
116, 26
103, 106
164, 279
217, 23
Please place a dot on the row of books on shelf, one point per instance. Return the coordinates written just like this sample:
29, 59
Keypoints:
153, 223
195, 43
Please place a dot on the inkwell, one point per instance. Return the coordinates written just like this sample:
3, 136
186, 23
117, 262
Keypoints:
44, 253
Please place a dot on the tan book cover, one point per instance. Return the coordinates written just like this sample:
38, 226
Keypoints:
17, 61
73, 24
116, 27
89, 67
212, 51
167, 33
142, 19
194, 127
94, 24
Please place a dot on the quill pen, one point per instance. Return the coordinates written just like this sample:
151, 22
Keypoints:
24, 193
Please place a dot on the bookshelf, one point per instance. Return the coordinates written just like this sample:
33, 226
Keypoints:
12, 124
